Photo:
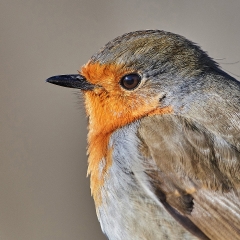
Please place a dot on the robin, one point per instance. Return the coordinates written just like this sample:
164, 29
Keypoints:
164, 139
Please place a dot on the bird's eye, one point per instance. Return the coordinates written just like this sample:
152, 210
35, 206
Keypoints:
130, 81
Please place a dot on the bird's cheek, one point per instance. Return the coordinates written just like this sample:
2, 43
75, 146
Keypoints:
137, 107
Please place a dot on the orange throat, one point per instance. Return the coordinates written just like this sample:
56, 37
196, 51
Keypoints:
110, 108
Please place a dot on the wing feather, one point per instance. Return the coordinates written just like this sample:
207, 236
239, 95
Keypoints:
196, 172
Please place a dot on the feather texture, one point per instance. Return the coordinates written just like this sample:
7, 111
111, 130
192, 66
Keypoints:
197, 173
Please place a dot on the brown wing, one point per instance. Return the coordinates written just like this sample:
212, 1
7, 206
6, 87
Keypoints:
196, 177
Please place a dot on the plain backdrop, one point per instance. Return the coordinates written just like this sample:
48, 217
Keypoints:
44, 192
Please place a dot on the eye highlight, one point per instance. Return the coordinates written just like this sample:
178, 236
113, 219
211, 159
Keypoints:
130, 81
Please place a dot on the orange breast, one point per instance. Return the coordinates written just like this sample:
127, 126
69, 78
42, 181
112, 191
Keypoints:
109, 107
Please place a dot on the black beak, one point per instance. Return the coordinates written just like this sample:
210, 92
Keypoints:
71, 81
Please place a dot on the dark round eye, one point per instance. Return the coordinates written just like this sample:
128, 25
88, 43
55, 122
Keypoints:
130, 81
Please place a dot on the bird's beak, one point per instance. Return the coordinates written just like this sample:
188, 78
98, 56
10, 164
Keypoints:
71, 81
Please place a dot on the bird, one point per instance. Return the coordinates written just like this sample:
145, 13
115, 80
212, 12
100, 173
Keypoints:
163, 138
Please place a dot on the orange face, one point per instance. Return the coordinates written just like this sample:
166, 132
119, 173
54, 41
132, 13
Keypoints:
110, 107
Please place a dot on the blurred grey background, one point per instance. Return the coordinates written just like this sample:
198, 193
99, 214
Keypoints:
44, 192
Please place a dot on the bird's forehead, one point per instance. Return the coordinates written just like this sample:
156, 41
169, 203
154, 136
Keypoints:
104, 74
128, 53
133, 52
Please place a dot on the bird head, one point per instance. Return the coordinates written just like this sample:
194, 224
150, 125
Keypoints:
135, 75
